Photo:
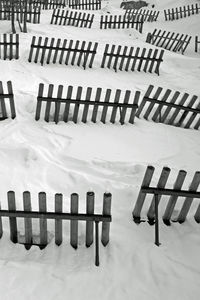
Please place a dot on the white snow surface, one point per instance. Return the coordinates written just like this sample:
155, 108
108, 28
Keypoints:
67, 158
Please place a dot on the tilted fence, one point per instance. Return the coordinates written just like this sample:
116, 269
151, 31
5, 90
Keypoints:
42, 4
147, 15
30, 14
118, 22
4, 114
128, 58
9, 46
75, 105
168, 107
197, 44
160, 190
84, 4
72, 18
67, 52
169, 40
58, 215
181, 12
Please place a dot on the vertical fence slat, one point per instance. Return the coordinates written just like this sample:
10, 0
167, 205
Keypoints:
106, 225
39, 101
58, 223
74, 224
86, 106
11, 98
89, 224
1, 225
95, 109
12, 220
2, 101
27, 221
105, 108
43, 221
48, 103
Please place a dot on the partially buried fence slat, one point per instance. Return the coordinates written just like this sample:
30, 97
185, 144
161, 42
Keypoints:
58, 223
74, 224
197, 44
27, 221
106, 212
9, 46
43, 221
89, 224
10, 96
12, 220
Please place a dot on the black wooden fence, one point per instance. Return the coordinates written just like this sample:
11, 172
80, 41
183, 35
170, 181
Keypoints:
169, 40
120, 107
118, 22
3, 98
168, 107
42, 4
74, 52
147, 15
181, 12
123, 57
84, 4
73, 18
9, 46
58, 215
197, 44
32, 14
160, 190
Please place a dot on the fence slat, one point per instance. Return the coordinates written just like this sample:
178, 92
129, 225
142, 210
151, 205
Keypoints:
58, 223
12, 220
58, 103
105, 225
27, 221
2, 101
105, 108
43, 221
74, 224
86, 106
95, 109
89, 224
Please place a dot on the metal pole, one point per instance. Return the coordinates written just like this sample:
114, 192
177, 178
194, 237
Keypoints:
96, 243
156, 221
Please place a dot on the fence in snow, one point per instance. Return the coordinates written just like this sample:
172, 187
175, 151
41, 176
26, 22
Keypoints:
9, 46
117, 22
122, 106
84, 4
3, 98
160, 190
58, 215
169, 108
43, 4
119, 58
197, 44
181, 12
169, 40
73, 52
31, 14
147, 15
73, 18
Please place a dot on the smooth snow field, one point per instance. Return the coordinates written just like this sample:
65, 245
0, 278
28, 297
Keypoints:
65, 158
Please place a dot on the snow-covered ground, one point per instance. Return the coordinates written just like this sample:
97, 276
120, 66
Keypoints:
66, 158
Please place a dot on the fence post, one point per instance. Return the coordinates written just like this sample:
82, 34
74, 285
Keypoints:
27, 221
156, 220
74, 224
89, 224
58, 223
12, 220
97, 243
43, 221
106, 225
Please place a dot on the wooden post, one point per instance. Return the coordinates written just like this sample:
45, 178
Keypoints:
74, 224
97, 243
43, 221
58, 223
89, 224
106, 225
12, 220
27, 221
1, 225
156, 220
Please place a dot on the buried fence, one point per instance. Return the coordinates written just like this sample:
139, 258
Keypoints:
159, 190
3, 104
147, 15
181, 12
43, 4
168, 107
169, 40
21, 14
69, 51
9, 46
58, 215
84, 4
197, 44
123, 57
72, 18
118, 22
123, 106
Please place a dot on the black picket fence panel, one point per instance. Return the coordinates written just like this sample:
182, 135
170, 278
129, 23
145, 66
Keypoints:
84, 4
120, 107
147, 15
197, 44
118, 22
67, 52
9, 46
168, 107
128, 58
32, 14
4, 114
58, 216
169, 40
72, 18
181, 12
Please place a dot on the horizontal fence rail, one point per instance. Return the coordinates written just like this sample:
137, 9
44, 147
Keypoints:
84, 4
67, 51
160, 190
128, 58
147, 15
181, 12
4, 114
9, 46
169, 40
170, 108
30, 14
72, 18
118, 22
197, 44
58, 215
120, 107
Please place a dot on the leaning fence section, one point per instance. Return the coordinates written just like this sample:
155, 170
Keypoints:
74, 216
30, 14
146, 15
181, 12
172, 108
7, 100
197, 44
85, 4
169, 40
78, 104
9, 46
72, 18
46, 50
130, 58
118, 22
